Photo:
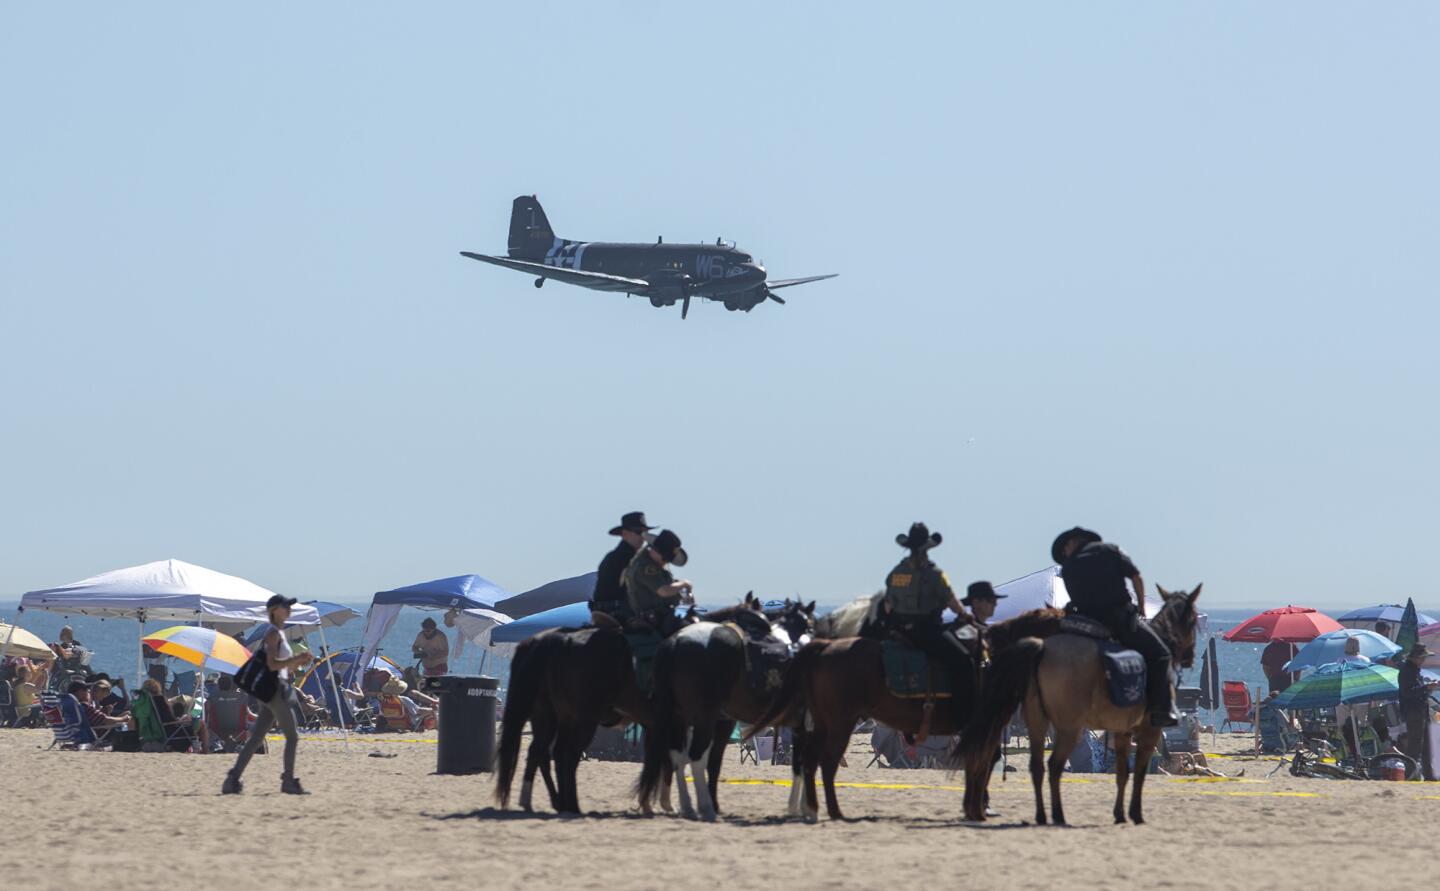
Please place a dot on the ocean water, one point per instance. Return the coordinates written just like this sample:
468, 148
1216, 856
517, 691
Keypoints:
114, 643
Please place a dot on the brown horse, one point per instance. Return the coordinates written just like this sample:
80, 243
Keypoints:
1061, 683
839, 682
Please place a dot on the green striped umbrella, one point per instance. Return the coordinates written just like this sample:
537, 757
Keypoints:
1329, 685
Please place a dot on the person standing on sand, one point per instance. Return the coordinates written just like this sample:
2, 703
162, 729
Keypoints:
1415, 708
281, 659
432, 648
609, 597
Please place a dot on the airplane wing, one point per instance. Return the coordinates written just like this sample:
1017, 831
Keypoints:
791, 282
596, 280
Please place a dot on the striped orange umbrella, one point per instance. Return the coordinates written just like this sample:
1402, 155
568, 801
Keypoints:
204, 647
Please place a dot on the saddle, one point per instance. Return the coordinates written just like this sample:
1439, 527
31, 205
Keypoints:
910, 674
1124, 668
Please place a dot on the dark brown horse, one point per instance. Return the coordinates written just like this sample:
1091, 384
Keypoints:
839, 682
1061, 684
565, 682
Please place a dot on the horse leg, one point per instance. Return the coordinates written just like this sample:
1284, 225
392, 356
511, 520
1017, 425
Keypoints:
723, 730
567, 762
814, 742
1122, 773
679, 758
1064, 744
797, 770
537, 757
833, 752
1145, 746
667, 782
701, 741
1037, 770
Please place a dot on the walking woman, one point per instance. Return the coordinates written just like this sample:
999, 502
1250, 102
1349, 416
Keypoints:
279, 708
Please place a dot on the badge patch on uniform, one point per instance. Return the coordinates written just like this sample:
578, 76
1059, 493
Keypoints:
900, 579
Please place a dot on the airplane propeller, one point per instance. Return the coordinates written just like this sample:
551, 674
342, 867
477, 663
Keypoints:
685, 307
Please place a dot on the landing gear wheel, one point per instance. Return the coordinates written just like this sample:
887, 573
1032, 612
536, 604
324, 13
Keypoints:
539, 282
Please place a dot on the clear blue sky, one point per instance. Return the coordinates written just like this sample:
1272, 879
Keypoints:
1165, 270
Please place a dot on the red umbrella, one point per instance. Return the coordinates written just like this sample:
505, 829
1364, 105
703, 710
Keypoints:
1287, 624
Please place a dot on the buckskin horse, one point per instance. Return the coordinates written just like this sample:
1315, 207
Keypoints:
838, 682
1061, 683
565, 682
702, 687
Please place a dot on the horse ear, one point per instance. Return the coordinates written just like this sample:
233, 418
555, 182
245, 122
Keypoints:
811, 607
1164, 595
1195, 595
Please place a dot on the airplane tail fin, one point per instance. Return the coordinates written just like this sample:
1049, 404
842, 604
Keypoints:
530, 233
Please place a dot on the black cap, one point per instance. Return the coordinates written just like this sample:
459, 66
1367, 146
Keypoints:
77, 686
280, 600
1085, 536
633, 522
428, 623
981, 591
919, 538
667, 545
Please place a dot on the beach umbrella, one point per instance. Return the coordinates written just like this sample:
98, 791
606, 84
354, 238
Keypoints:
1209, 677
205, 647
1329, 685
16, 641
1287, 624
1390, 613
1330, 647
1409, 632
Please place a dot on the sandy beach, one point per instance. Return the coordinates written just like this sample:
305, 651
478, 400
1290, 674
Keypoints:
98, 819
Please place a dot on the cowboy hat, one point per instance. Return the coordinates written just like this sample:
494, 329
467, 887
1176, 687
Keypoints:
1085, 536
394, 687
919, 538
634, 522
667, 545
981, 591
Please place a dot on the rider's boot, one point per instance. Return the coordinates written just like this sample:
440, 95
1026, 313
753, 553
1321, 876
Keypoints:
1159, 695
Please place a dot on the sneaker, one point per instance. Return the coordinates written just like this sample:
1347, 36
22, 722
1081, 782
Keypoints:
232, 785
291, 786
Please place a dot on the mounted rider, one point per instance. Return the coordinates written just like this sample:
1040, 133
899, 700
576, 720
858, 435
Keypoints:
609, 597
1095, 572
916, 595
653, 593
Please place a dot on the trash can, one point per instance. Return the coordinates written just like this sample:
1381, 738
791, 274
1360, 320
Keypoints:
467, 722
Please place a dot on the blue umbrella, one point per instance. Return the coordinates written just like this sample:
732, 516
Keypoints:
571, 615
1330, 685
1330, 647
332, 615
1369, 615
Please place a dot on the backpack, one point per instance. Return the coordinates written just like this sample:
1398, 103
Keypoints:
256, 678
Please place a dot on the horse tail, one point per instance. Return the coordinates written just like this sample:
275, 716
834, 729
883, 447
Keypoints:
791, 697
657, 735
1002, 692
526, 672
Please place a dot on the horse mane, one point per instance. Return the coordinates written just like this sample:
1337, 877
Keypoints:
1032, 623
847, 620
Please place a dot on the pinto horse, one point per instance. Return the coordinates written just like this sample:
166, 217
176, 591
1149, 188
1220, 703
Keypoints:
701, 689
835, 683
1061, 683
565, 682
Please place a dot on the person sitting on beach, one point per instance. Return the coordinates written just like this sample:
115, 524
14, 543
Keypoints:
90, 724
27, 695
400, 712
228, 715
106, 698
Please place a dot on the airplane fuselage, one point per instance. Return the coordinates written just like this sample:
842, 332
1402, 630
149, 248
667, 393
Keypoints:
715, 271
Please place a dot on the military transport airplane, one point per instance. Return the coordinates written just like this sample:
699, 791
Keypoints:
666, 273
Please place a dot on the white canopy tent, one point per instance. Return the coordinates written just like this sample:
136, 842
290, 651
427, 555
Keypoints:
166, 591
1045, 588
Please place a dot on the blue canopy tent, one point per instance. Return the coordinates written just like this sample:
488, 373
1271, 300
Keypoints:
551, 595
471, 593
322, 678
571, 615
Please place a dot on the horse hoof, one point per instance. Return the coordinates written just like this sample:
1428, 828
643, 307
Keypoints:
1138, 821
1119, 819
1040, 820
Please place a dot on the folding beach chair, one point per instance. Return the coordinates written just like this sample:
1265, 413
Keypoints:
54, 714
1239, 707
228, 715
